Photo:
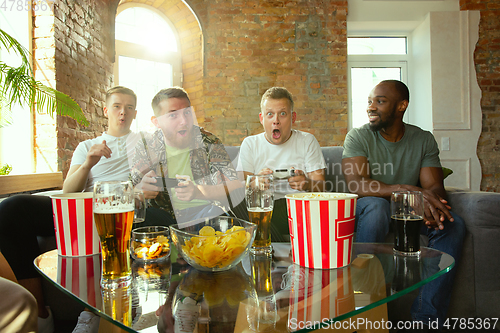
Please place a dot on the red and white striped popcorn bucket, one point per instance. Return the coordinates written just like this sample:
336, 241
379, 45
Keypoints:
318, 295
76, 234
81, 276
321, 228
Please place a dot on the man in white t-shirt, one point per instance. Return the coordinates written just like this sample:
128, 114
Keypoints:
88, 165
103, 158
281, 147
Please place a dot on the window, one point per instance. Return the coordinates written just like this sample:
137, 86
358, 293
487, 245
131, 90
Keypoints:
371, 60
148, 57
16, 140
376, 45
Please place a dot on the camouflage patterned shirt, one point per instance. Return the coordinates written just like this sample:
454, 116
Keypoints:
210, 163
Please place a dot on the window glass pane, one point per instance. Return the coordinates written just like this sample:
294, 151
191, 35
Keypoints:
145, 78
145, 27
362, 82
376, 45
16, 139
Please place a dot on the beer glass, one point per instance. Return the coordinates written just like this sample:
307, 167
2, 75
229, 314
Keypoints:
267, 310
407, 216
117, 304
113, 216
140, 206
259, 195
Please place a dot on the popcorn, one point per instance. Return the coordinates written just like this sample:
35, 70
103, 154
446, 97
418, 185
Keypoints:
319, 196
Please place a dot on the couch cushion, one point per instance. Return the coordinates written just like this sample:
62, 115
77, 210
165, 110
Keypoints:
335, 181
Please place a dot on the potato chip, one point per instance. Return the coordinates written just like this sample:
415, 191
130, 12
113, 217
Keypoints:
154, 250
151, 248
207, 231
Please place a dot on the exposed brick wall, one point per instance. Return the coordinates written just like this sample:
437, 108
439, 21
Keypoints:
73, 52
84, 38
45, 139
253, 45
487, 60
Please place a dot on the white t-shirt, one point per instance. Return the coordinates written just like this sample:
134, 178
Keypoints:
107, 169
301, 151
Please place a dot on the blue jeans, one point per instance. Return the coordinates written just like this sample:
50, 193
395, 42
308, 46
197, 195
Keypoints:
372, 226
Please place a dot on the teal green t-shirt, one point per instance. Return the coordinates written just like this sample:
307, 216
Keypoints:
393, 162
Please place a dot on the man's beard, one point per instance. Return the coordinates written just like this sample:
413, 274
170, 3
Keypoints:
383, 124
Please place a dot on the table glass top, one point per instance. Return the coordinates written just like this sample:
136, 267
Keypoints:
260, 294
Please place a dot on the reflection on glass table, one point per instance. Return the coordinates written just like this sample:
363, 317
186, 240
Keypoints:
262, 293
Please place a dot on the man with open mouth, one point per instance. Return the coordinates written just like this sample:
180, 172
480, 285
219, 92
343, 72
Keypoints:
180, 150
280, 148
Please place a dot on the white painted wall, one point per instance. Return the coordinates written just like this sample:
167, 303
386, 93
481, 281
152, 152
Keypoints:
456, 110
420, 79
375, 16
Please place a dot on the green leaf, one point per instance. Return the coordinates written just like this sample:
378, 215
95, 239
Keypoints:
19, 87
5, 169
446, 172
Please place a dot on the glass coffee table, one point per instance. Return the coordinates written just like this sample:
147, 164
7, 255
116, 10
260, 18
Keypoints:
260, 294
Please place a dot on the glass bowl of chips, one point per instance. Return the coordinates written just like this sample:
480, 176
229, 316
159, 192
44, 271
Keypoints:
215, 244
150, 243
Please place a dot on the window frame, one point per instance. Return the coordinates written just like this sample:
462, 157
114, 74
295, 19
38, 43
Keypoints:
128, 49
377, 61
22, 114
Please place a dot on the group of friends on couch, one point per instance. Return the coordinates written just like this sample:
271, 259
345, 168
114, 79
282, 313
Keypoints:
180, 149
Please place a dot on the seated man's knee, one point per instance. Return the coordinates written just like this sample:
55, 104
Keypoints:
373, 205
372, 219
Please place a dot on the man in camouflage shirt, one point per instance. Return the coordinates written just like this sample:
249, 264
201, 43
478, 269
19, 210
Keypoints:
180, 150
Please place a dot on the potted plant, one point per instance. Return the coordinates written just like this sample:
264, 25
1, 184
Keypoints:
17, 85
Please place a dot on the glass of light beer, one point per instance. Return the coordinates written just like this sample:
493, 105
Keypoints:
259, 195
114, 216
262, 281
407, 215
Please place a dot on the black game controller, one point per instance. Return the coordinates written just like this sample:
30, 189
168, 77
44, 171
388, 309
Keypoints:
165, 182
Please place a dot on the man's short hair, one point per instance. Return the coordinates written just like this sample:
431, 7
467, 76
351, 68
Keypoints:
401, 88
120, 90
164, 94
277, 93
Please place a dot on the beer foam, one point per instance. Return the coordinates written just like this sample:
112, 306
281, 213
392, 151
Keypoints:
258, 209
320, 196
112, 207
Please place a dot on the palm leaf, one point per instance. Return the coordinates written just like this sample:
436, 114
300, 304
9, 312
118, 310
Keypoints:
5, 117
10, 42
19, 87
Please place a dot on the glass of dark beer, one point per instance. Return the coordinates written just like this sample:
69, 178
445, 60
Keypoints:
407, 215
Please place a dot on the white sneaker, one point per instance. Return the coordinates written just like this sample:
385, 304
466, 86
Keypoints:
186, 313
46, 325
87, 323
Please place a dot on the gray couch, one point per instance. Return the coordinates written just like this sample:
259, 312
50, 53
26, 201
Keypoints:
476, 291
